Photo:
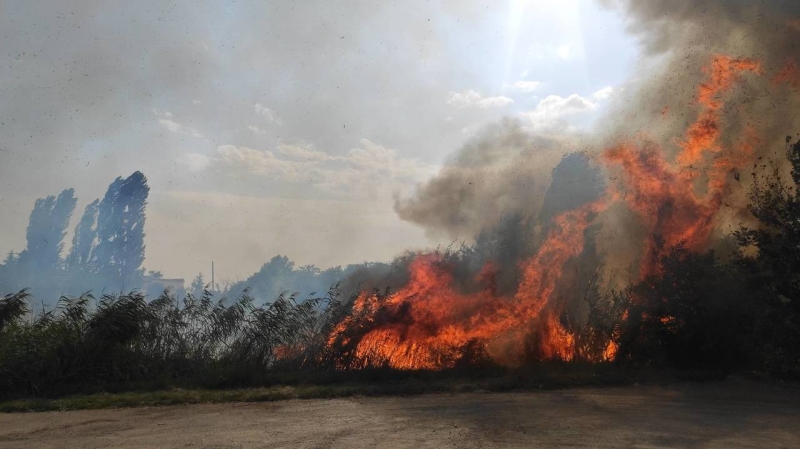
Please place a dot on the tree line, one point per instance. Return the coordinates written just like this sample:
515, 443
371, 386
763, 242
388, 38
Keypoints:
107, 248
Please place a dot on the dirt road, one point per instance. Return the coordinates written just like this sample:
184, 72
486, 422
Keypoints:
724, 415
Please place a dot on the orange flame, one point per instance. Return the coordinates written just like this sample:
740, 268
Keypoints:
428, 323
703, 135
664, 195
789, 75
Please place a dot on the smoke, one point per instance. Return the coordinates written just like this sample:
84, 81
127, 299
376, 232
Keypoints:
503, 170
713, 95
680, 37
506, 169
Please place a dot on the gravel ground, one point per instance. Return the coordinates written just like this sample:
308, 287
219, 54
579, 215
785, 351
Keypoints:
719, 415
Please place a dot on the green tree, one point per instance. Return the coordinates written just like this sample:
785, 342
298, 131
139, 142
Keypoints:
774, 270
198, 285
119, 252
84, 237
46, 230
691, 313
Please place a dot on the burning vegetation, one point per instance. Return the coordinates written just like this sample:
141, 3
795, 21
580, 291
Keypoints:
433, 321
430, 324
651, 247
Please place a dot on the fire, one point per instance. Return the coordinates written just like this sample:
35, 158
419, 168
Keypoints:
665, 196
789, 75
610, 353
703, 135
433, 323
428, 323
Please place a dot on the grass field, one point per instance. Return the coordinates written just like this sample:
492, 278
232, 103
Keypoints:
379, 383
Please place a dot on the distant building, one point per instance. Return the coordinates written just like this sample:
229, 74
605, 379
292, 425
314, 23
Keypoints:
160, 284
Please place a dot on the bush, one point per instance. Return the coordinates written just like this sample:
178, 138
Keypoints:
772, 265
123, 339
693, 313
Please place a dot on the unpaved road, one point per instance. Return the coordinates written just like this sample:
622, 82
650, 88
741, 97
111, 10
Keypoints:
727, 415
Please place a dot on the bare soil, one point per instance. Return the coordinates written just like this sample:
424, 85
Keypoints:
718, 415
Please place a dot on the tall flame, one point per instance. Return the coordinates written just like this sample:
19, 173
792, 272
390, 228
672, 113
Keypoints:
666, 196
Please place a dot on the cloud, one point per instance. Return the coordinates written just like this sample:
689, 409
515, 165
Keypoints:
166, 121
171, 125
362, 171
303, 152
551, 112
527, 86
258, 162
267, 113
470, 98
603, 94
195, 162
373, 158
255, 130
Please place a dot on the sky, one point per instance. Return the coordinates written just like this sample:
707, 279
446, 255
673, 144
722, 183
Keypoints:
281, 127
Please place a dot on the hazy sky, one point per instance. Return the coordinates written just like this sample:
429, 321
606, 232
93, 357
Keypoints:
280, 127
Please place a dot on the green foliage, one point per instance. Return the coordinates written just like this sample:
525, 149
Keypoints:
46, 230
123, 339
773, 271
119, 252
107, 247
198, 285
692, 313
12, 308
84, 238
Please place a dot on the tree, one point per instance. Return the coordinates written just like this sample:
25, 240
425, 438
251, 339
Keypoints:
10, 258
84, 238
9, 278
102, 253
46, 230
692, 313
774, 271
133, 195
120, 231
198, 285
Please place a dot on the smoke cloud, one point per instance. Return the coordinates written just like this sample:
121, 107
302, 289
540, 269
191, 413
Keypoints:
507, 168
503, 170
